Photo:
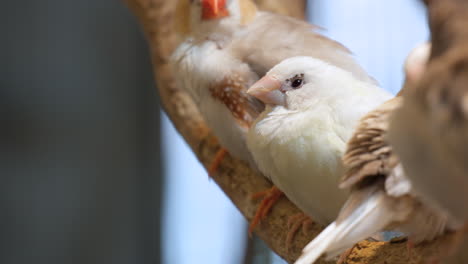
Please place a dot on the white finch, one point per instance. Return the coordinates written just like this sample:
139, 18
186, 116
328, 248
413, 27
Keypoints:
228, 45
312, 108
430, 132
382, 197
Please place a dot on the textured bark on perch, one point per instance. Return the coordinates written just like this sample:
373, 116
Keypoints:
234, 177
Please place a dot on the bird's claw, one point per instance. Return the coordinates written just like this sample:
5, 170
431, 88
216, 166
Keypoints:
270, 197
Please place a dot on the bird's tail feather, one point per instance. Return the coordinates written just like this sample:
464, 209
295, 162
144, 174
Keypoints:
359, 219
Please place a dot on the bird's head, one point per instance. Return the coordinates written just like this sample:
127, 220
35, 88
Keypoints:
193, 15
294, 82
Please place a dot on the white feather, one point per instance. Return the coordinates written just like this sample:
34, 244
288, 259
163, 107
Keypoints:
371, 216
299, 147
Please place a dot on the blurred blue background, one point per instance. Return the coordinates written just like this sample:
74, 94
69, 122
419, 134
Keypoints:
85, 177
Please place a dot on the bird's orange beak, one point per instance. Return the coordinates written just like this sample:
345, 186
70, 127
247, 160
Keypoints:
267, 90
214, 9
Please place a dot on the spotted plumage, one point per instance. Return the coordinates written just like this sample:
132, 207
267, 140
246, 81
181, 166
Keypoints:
231, 92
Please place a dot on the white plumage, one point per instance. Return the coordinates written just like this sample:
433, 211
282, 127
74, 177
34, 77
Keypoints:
299, 140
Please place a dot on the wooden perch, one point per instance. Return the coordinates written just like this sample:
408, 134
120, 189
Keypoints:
234, 177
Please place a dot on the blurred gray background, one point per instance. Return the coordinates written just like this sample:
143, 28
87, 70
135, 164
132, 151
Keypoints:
80, 165
92, 172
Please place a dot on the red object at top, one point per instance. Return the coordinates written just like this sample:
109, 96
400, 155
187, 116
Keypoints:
214, 9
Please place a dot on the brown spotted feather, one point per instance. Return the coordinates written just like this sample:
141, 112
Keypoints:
231, 91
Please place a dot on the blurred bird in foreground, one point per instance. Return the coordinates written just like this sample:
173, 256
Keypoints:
228, 45
430, 133
312, 109
382, 197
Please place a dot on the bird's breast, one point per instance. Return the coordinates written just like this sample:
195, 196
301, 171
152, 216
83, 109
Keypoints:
303, 158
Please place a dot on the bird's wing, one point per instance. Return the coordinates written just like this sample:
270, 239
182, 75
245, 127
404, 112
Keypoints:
368, 155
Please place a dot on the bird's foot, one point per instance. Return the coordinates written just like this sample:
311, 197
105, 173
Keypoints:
270, 197
295, 222
216, 161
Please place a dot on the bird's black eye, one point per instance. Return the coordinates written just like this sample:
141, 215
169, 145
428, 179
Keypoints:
297, 81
